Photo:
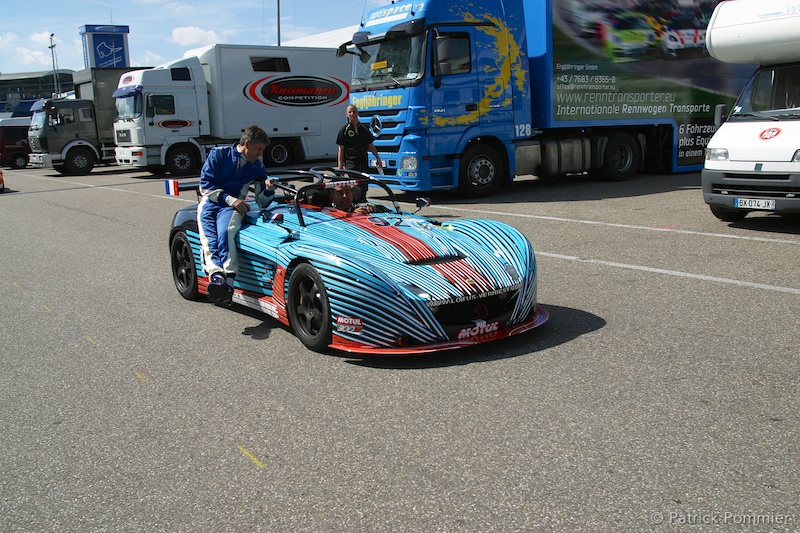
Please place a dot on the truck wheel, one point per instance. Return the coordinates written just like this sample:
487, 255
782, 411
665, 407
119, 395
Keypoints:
80, 161
480, 171
181, 160
727, 215
19, 161
621, 157
279, 153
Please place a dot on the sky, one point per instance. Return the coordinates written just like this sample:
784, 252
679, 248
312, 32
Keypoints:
161, 30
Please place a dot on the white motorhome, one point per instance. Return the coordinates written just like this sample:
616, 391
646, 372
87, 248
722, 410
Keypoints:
170, 116
753, 160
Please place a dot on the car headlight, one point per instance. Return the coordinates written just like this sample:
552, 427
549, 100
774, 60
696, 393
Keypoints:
408, 163
717, 154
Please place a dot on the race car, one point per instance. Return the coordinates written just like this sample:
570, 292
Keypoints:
389, 282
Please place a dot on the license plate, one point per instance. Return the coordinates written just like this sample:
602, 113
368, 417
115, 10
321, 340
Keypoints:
754, 203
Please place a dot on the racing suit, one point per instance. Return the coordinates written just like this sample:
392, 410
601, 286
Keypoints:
225, 178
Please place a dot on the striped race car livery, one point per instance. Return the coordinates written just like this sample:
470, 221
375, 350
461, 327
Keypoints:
384, 283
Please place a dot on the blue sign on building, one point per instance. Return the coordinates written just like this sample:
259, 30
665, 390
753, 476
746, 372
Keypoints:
105, 46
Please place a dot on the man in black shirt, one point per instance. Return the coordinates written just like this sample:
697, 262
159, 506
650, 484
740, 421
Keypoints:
354, 141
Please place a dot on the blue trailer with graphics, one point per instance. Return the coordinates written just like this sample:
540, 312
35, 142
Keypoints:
170, 116
467, 95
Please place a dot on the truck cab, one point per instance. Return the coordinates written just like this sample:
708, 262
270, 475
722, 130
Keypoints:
63, 135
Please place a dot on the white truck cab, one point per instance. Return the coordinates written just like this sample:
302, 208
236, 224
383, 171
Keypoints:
753, 160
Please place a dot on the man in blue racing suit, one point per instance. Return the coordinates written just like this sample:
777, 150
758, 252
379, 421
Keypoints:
225, 181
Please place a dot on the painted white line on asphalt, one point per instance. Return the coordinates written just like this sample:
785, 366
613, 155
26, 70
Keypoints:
115, 189
677, 273
624, 226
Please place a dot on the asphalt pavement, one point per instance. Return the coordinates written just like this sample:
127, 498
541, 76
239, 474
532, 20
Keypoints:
662, 395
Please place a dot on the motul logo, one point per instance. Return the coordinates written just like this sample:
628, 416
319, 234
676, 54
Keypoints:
297, 91
481, 328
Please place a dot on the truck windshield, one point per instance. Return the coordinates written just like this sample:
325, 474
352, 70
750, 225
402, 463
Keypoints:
129, 107
772, 92
394, 62
38, 120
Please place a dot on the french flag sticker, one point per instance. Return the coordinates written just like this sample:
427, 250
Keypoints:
172, 187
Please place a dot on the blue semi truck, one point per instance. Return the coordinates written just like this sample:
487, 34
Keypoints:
467, 95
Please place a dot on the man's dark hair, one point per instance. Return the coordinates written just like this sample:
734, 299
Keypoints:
254, 134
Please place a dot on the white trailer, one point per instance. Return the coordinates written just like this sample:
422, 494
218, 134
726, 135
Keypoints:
753, 160
170, 116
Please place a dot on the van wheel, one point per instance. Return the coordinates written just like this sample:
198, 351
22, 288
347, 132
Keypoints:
181, 160
727, 215
80, 161
279, 153
621, 157
480, 171
19, 161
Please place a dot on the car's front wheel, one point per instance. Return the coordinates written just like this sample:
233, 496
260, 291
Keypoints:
184, 269
309, 310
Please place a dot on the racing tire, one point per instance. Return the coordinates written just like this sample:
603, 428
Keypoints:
727, 215
279, 153
480, 171
184, 269
19, 161
621, 158
182, 160
79, 162
309, 309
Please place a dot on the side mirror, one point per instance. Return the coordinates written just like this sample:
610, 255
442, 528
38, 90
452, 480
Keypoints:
341, 51
423, 202
720, 114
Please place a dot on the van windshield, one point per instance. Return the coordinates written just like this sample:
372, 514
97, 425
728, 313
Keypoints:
772, 92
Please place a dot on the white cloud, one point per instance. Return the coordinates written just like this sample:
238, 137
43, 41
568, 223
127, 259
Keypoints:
33, 57
147, 59
193, 36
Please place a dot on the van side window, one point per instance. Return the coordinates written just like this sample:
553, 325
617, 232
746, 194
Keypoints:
270, 64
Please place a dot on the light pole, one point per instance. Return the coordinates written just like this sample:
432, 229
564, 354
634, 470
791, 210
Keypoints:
279, 21
52, 47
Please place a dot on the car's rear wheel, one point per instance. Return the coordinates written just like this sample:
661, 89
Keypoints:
309, 310
184, 269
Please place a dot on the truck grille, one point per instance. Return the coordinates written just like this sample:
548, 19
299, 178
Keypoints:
757, 191
123, 136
